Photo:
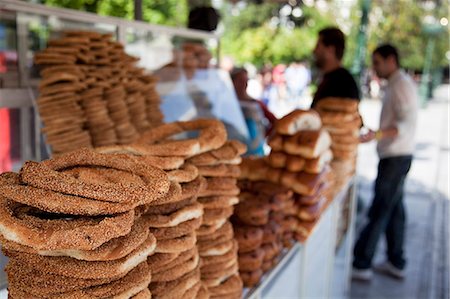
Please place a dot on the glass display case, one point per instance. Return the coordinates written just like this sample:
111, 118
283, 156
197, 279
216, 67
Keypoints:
187, 90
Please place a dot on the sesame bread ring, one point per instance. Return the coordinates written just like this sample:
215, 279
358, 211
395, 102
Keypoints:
220, 186
228, 152
205, 246
225, 231
164, 233
230, 286
191, 293
271, 250
54, 202
184, 256
295, 163
32, 278
112, 250
203, 293
252, 278
140, 153
275, 142
205, 269
211, 216
211, 228
251, 261
193, 188
70, 267
46, 175
46, 231
218, 202
346, 105
175, 194
177, 244
187, 173
298, 120
159, 260
217, 259
249, 238
178, 271
212, 135
216, 278
175, 288
219, 249
144, 294
129, 285
277, 159
267, 265
220, 170
336, 118
187, 213
171, 207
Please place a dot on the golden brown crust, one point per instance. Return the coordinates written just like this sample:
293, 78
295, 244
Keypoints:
173, 219
185, 174
276, 142
211, 216
317, 165
212, 136
177, 244
220, 187
175, 288
220, 170
164, 233
41, 231
295, 163
129, 285
218, 202
70, 267
298, 120
177, 271
251, 261
46, 175
12, 188
308, 144
346, 105
277, 159
114, 249
303, 183
231, 286
230, 151
252, 278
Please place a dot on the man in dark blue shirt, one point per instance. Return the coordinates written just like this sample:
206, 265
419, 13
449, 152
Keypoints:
336, 81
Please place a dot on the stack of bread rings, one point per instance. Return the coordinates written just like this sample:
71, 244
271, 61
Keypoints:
216, 243
258, 222
72, 227
340, 117
92, 94
299, 159
214, 161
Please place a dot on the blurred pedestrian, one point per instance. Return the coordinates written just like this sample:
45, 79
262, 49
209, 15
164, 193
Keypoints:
258, 118
395, 149
335, 81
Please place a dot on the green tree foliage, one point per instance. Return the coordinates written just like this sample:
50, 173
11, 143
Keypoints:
162, 12
401, 24
250, 37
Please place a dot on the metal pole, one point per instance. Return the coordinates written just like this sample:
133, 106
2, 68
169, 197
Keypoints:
426, 74
360, 55
138, 10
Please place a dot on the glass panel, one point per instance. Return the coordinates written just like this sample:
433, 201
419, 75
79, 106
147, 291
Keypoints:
9, 73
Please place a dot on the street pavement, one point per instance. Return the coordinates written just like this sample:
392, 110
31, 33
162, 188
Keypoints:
427, 199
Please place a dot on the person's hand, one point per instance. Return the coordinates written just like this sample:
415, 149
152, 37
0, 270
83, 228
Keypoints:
367, 137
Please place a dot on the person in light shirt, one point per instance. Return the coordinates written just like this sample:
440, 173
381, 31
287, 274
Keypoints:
395, 149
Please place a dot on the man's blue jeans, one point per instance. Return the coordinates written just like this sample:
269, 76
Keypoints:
387, 214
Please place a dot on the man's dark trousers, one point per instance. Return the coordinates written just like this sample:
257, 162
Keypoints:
387, 214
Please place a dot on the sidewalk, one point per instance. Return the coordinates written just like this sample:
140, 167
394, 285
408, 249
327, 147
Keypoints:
427, 199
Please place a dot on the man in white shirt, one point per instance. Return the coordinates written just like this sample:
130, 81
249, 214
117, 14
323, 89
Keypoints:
395, 149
